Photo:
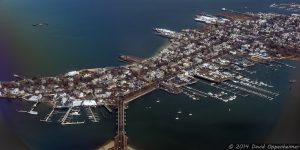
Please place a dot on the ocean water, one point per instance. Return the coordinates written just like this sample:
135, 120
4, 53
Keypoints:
89, 34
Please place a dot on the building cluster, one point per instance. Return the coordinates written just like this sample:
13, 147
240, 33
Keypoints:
213, 52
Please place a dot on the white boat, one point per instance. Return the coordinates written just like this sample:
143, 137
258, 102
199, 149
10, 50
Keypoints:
232, 97
69, 123
22, 111
166, 32
76, 113
33, 112
209, 19
157, 101
273, 5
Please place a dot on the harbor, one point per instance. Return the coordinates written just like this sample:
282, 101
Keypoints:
169, 71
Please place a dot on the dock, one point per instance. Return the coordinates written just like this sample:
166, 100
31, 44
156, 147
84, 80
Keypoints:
65, 116
108, 108
67, 119
249, 91
223, 89
48, 117
131, 59
284, 64
92, 115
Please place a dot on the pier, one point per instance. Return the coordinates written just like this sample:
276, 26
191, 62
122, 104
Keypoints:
284, 64
91, 115
249, 91
131, 59
224, 89
108, 108
48, 117
31, 110
259, 89
63, 121
67, 119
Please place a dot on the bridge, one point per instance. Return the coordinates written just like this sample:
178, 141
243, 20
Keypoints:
120, 141
121, 138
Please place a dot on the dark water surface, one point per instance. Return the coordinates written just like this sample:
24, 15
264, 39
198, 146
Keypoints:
89, 34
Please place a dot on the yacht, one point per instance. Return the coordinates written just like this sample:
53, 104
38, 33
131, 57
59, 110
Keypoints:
209, 19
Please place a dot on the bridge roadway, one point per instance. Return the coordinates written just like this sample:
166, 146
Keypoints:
121, 138
120, 141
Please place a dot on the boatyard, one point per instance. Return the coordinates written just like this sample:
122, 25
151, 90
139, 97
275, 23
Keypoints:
222, 58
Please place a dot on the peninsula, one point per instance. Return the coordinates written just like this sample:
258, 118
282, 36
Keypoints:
218, 53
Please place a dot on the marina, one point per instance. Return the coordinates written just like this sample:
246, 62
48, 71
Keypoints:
31, 111
70, 116
171, 70
224, 89
284, 64
92, 115
48, 117
248, 90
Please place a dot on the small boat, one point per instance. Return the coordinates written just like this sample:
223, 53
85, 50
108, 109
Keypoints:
33, 112
179, 112
22, 111
273, 5
70, 123
190, 114
40, 24
177, 118
76, 113
157, 101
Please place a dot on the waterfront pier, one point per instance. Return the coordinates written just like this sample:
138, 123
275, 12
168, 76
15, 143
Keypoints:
131, 59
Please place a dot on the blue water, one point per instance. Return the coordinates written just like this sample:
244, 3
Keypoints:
89, 34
